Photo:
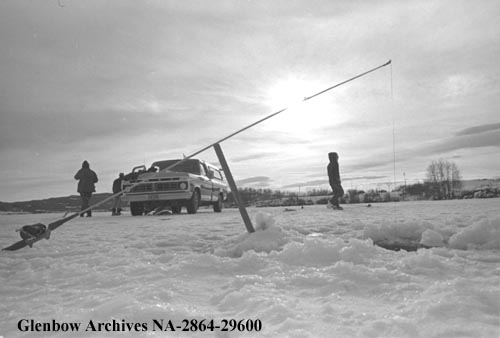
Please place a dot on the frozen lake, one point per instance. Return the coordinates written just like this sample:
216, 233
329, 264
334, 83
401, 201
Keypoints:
308, 272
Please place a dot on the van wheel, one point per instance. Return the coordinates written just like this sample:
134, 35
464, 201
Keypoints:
136, 208
176, 210
219, 204
194, 203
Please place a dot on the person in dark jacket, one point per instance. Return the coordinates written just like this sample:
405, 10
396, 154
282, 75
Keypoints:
334, 179
117, 188
86, 185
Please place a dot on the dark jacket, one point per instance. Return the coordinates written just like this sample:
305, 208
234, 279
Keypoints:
87, 178
117, 185
333, 172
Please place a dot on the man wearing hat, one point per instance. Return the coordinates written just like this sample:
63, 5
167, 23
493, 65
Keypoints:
86, 185
334, 179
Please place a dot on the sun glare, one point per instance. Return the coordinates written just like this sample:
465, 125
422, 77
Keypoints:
287, 93
301, 116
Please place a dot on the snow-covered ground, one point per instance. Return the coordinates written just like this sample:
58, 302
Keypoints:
308, 272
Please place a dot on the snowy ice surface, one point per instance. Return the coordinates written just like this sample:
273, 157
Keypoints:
309, 272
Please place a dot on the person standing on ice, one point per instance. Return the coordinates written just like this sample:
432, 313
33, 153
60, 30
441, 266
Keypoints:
334, 179
117, 188
86, 185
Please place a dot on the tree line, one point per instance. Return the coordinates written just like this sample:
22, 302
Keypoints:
443, 181
254, 196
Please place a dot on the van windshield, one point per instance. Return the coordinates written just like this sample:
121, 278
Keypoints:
188, 166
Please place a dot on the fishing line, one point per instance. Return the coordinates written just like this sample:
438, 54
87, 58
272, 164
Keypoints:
393, 132
395, 205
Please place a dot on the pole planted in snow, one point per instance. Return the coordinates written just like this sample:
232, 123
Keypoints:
242, 130
63, 220
234, 188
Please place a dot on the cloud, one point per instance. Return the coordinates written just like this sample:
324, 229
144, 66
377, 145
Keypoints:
257, 180
250, 157
63, 130
487, 135
129, 83
306, 184
476, 137
479, 129
326, 182
369, 178
368, 164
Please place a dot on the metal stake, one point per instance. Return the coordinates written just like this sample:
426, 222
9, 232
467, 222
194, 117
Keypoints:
234, 188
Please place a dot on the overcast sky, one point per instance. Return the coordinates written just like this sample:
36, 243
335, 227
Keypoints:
123, 83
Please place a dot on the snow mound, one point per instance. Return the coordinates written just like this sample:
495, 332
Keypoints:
432, 238
483, 234
266, 238
263, 221
405, 231
318, 252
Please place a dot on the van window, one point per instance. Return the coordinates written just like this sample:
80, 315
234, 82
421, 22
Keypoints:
216, 173
203, 170
191, 166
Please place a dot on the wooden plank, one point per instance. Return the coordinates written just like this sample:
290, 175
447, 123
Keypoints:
234, 188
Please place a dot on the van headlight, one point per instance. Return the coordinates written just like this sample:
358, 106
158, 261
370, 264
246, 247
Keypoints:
183, 186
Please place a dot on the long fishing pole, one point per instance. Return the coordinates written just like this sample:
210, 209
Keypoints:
256, 123
226, 138
246, 128
284, 109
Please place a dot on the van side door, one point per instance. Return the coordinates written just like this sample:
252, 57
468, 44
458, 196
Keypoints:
206, 185
218, 185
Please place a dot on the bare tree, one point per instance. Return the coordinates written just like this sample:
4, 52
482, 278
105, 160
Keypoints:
444, 179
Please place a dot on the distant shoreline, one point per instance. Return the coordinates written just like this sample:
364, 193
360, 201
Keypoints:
477, 188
